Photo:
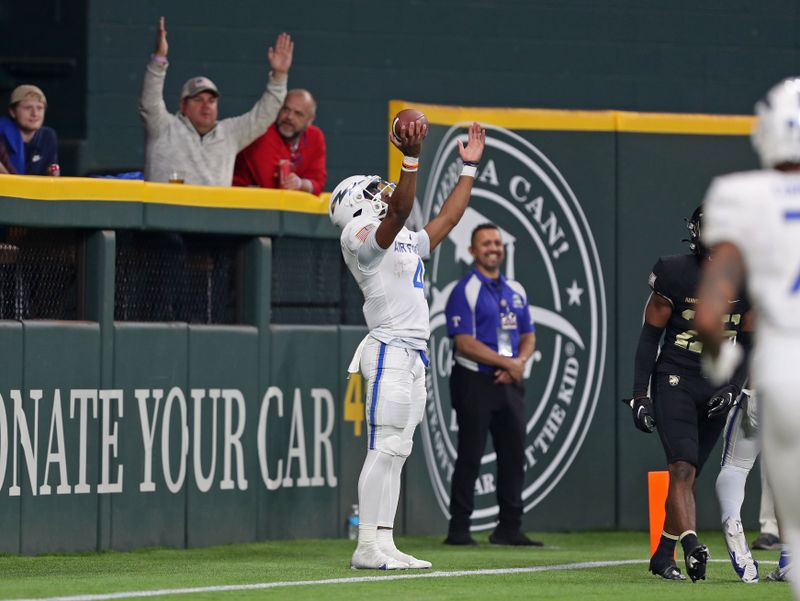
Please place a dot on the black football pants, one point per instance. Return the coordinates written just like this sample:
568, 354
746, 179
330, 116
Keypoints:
481, 407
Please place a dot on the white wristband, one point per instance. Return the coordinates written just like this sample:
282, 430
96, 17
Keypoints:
410, 164
469, 171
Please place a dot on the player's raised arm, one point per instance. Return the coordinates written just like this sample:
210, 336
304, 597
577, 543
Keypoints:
409, 142
455, 205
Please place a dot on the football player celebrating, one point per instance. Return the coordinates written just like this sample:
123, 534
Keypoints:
688, 411
385, 258
753, 229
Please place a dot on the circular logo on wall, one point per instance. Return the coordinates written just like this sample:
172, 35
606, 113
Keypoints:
551, 252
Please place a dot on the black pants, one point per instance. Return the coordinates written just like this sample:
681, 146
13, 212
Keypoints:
681, 407
481, 407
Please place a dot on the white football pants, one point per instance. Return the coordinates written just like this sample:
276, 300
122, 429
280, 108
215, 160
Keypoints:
741, 446
775, 367
395, 402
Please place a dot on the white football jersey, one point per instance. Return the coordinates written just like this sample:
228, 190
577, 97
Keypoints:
392, 281
759, 212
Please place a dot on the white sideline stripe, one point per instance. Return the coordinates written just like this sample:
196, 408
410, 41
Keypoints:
266, 585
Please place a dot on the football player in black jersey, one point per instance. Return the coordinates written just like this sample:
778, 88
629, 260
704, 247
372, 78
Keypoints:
687, 410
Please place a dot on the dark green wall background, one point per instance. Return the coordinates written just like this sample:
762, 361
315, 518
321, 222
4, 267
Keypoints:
708, 56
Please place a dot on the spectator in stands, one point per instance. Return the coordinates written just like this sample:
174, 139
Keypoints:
293, 139
192, 142
29, 146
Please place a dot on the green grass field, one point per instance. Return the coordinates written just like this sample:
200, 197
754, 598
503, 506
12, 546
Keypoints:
286, 563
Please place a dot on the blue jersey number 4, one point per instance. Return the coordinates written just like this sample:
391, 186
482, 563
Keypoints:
418, 283
794, 215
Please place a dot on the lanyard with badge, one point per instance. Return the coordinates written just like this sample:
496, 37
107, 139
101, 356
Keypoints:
508, 324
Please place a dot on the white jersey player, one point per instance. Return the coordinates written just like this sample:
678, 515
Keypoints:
386, 260
753, 226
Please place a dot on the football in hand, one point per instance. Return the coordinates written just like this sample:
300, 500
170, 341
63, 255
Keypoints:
405, 117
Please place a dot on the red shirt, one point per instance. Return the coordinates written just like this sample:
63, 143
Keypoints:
257, 165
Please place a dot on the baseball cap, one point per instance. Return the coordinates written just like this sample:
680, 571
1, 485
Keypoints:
196, 85
27, 90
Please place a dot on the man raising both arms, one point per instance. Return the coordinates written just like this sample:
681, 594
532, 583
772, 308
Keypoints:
385, 258
192, 142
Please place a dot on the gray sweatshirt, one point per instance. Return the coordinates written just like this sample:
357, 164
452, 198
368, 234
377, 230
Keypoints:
173, 144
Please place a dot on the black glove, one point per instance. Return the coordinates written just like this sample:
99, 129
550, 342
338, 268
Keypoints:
723, 399
643, 415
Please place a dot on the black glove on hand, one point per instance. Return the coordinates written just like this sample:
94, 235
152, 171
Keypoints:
643, 415
722, 400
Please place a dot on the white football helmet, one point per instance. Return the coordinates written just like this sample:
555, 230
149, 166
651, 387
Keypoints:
776, 137
359, 195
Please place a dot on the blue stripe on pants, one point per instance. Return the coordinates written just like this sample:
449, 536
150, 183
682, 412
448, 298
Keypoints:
374, 401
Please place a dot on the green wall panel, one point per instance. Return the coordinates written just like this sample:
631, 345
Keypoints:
11, 345
71, 213
57, 358
221, 504
303, 358
353, 435
151, 357
308, 225
202, 219
258, 311
552, 194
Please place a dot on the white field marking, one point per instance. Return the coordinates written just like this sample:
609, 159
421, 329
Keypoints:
267, 585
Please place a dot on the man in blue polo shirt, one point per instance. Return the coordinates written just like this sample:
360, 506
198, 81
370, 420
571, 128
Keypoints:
489, 320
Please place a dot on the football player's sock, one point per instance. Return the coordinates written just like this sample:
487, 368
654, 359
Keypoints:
373, 486
368, 555
786, 556
730, 492
389, 501
666, 546
689, 541
367, 534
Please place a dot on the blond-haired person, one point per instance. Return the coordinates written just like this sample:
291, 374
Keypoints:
30, 145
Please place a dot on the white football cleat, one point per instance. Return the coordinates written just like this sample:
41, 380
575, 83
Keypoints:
370, 557
387, 547
741, 559
781, 573
412, 562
